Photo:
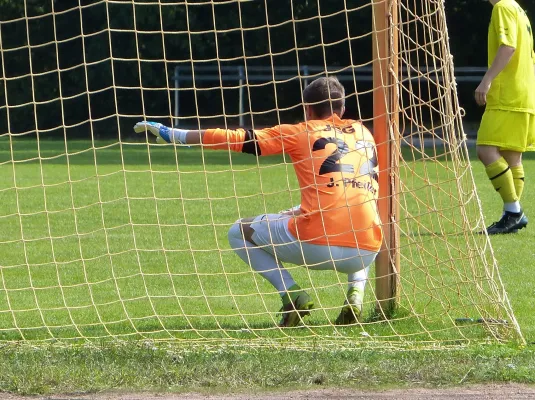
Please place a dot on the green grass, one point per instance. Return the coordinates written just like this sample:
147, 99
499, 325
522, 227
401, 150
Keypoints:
138, 368
512, 252
117, 244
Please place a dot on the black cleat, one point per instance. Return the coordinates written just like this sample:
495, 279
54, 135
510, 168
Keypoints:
509, 223
523, 221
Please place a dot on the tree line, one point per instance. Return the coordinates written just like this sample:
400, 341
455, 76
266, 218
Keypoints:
76, 62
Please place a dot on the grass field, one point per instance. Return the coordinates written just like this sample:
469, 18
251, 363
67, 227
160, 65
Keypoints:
82, 247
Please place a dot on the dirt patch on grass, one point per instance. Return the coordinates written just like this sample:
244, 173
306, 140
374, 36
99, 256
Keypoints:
480, 392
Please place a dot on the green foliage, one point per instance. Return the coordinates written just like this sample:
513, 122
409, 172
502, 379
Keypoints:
99, 74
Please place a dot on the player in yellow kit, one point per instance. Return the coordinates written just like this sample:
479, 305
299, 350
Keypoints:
507, 128
337, 224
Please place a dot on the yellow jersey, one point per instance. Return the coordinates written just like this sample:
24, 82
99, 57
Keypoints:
514, 87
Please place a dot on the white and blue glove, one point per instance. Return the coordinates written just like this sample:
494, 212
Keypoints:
163, 133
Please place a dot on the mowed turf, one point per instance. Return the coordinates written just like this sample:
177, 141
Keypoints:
108, 240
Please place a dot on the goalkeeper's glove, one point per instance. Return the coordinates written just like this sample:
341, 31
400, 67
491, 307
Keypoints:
163, 133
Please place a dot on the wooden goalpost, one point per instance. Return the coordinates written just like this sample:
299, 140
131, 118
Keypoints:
386, 133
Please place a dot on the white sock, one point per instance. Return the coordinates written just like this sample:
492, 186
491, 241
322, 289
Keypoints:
260, 260
513, 207
358, 279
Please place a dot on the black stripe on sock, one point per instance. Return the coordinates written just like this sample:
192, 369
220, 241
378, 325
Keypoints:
500, 174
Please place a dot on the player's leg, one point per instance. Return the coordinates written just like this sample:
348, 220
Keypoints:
239, 236
352, 261
351, 311
296, 303
514, 159
500, 176
270, 234
493, 136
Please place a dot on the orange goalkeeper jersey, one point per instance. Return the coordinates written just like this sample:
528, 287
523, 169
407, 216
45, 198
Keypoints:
335, 162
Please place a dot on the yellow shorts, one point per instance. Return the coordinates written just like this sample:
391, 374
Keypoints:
507, 130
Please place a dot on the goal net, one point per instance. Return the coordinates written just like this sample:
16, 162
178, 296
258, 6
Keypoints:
107, 235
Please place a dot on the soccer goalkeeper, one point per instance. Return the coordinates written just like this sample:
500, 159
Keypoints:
336, 227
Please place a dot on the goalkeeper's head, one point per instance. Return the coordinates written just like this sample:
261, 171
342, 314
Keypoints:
324, 97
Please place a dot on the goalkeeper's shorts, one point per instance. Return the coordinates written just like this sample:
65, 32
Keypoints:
507, 130
272, 235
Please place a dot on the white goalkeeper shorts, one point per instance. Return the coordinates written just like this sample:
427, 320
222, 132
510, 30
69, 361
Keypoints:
271, 234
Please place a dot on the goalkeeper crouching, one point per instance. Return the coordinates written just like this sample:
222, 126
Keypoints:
336, 226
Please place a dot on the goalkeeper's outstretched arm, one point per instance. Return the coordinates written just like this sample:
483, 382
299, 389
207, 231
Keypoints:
239, 140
